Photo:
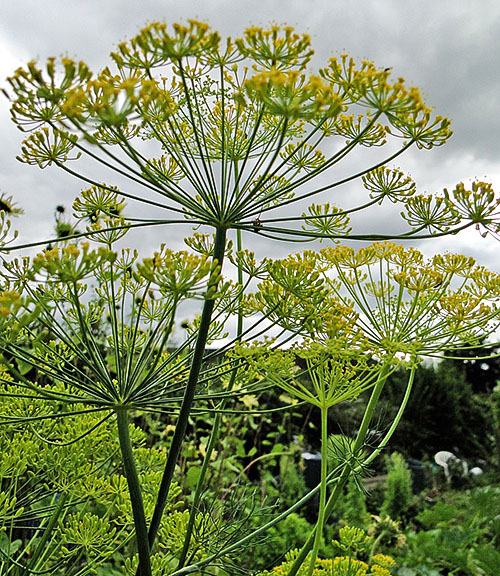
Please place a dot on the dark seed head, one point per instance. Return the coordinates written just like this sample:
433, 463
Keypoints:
4, 207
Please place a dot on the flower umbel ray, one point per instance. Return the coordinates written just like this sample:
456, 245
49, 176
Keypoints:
239, 127
394, 301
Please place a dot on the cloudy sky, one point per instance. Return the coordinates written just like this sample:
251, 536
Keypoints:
449, 49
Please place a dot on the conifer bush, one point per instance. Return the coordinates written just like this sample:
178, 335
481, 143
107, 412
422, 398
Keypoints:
398, 493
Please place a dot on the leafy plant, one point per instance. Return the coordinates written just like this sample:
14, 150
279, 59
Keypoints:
460, 533
352, 509
64, 501
398, 493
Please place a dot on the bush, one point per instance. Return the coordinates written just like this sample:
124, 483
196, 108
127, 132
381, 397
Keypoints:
461, 535
398, 493
352, 508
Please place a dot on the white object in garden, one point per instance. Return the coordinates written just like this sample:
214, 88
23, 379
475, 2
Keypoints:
442, 458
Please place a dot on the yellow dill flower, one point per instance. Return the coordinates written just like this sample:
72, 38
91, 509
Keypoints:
279, 48
343, 565
377, 570
383, 560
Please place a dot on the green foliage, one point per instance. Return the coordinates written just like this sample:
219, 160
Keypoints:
352, 508
398, 494
64, 503
289, 534
443, 413
479, 507
461, 533
494, 405
292, 479
282, 479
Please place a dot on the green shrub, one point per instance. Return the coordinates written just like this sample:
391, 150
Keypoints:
398, 495
461, 536
289, 534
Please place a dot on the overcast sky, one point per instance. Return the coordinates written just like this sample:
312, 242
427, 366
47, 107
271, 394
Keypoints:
449, 49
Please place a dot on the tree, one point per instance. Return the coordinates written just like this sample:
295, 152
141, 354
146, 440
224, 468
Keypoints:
227, 135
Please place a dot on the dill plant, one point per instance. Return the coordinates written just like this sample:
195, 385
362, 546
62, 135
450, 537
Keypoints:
234, 137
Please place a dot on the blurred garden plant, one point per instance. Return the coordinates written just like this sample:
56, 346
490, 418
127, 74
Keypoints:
235, 137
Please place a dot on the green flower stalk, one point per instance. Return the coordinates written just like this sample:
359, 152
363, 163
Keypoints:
383, 306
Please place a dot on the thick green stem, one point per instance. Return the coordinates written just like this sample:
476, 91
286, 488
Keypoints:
189, 393
214, 435
239, 246
134, 488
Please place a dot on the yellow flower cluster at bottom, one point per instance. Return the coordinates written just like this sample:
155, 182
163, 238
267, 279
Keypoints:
339, 566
